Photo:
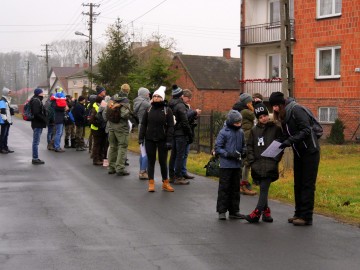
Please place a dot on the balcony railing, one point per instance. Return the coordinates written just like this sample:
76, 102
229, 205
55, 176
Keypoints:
263, 33
263, 86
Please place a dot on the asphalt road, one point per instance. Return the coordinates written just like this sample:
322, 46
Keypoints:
69, 214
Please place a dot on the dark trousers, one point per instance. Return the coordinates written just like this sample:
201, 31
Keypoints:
177, 156
5, 128
264, 193
151, 148
305, 173
229, 190
99, 142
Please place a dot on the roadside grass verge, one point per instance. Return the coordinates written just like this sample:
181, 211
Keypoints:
338, 182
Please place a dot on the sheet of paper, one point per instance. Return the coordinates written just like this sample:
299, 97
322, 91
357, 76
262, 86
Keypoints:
142, 150
273, 150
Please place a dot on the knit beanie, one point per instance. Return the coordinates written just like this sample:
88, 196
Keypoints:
99, 89
245, 98
233, 117
176, 91
276, 98
6, 91
38, 91
125, 88
160, 92
143, 92
260, 109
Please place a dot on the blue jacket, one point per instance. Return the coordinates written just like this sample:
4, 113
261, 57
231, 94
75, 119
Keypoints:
230, 140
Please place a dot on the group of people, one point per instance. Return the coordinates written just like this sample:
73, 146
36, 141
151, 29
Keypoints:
169, 126
239, 152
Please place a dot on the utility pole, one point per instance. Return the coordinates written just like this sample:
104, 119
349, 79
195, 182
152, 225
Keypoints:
46, 62
285, 47
92, 16
27, 77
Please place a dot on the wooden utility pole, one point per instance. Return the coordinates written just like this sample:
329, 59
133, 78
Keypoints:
46, 62
285, 47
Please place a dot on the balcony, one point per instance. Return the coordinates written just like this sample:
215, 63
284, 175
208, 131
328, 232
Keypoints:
263, 86
263, 33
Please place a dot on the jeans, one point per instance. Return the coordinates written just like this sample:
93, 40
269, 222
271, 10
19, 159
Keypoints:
177, 156
4, 136
143, 161
36, 141
50, 133
58, 134
186, 154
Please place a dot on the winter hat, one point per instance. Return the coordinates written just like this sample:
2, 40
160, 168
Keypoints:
176, 91
245, 98
143, 92
160, 92
38, 91
99, 89
6, 91
233, 117
58, 89
81, 98
92, 98
125, 88
260, 109
276, 98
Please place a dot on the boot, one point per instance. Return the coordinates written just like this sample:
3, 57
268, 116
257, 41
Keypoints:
50, 146
151, 185
66, 143
73, 143
244, 190
266, 215
166, 186
254, 216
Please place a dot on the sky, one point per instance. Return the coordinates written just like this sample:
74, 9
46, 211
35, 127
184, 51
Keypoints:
199, 27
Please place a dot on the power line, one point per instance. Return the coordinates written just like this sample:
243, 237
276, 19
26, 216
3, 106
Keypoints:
148, 11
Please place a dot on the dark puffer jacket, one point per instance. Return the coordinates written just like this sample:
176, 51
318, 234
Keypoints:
260, 137
297, 129
157, 123
179, 109
39, 112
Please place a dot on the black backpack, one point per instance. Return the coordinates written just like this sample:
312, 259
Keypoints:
315, 125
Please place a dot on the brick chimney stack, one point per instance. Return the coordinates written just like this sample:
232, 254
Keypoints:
227, 53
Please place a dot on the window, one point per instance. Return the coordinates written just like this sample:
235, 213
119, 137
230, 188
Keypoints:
327, 114
85, 82
274, 66
328, 8
328, 62
274, 13
74, 83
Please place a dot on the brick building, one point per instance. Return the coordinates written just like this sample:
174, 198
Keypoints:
326, 56
214, 81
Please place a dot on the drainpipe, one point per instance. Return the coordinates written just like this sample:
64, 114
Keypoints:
241, 60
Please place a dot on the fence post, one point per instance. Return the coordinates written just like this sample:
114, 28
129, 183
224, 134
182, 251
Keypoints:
211, 130
198, 133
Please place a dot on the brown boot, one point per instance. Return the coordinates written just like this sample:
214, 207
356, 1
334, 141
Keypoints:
151, 185
245, 191
166, 186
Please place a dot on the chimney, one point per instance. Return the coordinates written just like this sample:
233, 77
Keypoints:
77, 65
227, 53
85, 65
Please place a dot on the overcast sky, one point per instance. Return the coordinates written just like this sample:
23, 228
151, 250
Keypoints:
201, 27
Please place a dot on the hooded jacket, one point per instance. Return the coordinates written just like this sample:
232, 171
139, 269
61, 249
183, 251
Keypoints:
179, 109
5, 110
39, 112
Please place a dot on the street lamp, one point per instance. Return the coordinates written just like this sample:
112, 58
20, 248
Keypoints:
90, 52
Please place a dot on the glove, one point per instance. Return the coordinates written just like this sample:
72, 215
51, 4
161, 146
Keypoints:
243, 155
141, 141
234, 155
285, 144
168, 146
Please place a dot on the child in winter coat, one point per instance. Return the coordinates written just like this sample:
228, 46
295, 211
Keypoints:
230, 146
264, 170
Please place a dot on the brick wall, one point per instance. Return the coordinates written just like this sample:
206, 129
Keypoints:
344, 31
206, 100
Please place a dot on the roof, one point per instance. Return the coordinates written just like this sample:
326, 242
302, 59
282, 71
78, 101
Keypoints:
212, 72
82, 72
62, 72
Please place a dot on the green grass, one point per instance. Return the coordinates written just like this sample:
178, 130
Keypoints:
338, 182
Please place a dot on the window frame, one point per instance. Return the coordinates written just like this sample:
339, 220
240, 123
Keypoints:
273, 23
328, 120
268, 65
333, 64
333, 12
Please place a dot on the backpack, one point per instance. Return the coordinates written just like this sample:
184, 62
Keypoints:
113, 113
213, 167
315, 125
27, 113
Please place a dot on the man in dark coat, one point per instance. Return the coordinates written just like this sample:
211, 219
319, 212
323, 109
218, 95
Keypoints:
38, 123
79, 113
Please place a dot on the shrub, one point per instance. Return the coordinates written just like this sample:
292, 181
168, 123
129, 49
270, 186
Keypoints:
337, 132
